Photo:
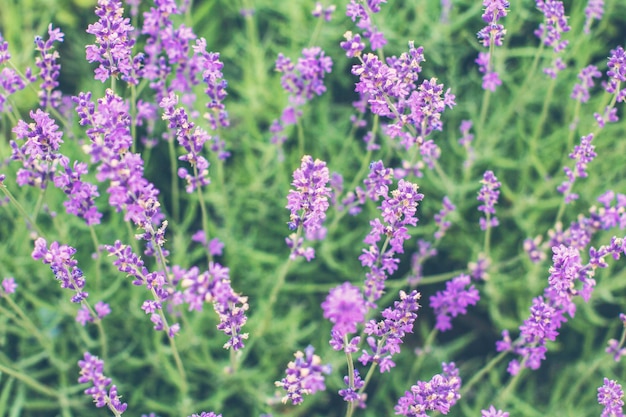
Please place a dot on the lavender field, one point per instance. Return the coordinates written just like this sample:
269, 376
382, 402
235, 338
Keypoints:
301, 208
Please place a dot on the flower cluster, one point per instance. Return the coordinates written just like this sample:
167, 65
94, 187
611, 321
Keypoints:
10, 80
583, 154
580, 91
345, 308
493, 412
49, 68
453, 301
593, 11
8, 286
361, 13
617, 75
488, 194
192, 139
353, 386
81, 194
92, 370
40, 152
438, 394
213, 286
110, 143
130, 263
326, 12
386, 335
490, 36
114, 43
302, 81
440, 218
550, 31
308, 204
611, 395
61, 261
398, 212
304, 376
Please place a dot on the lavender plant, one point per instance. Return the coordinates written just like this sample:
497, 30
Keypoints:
377, 227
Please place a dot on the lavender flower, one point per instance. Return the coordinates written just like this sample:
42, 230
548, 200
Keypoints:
425, 251
302, 81
10, 80
438, 394
61, 261
583, 154
440, 218
610, 395
554, 25
352, 45
586, 76
360, 12
114, 43
534, 249
40, 152
593, 11
327, 12
308, 202
49, 68
345, 308
386, 335
206, 414
8, 286
398, 212
81, 193
453, 301
615, 349
488, 194
304, 376
490, 36
617, 74
351, 393
493, 412
91, 370
214, 286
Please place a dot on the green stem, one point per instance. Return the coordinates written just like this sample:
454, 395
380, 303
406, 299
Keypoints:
20, 209
32, 383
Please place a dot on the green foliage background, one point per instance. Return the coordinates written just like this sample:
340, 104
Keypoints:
521, 133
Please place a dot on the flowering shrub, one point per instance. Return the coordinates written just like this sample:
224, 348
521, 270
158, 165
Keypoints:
423, 203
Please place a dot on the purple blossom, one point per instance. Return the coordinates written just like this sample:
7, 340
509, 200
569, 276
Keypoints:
91, 370
309, 201
478, 269
586, 76
81, 193
114, 43
360, 13
438, 394
440, 218
8, 286
593, 11
398, 212
49, 68
615, 349
617, 74
425, 251
302, 81
488, 194
554, 25
378, 181
558, 65
192, 139
10, 80
352, 45
610, 395
453, 301
320, 11
304, 376
40, 152
583, 154
351, 393
206, 414
63, 265
493, 412
534, 249
493, 33
213, 286
345, 307
386, 335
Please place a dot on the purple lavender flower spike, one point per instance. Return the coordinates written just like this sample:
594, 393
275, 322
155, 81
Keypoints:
488, 194
593, 11
586, 76
440, 218
617, 75
453, 301
308, 202
438, 394
345, 308
49, 68
611, 395
583, 154
61, 261
304, 376
114, 43
10, 80
206, 414
91, 370
351, 393
615, 349
8, 286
